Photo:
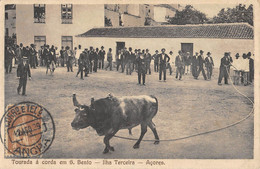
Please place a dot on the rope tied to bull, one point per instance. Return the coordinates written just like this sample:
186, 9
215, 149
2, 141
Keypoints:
206, 132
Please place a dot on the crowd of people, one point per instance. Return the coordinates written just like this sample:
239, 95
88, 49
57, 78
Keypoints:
128, 61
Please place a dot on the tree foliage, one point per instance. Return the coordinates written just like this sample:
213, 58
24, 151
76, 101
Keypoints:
188, 15
238, 14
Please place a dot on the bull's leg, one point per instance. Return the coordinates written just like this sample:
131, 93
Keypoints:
143, 131
106, 141
153, 128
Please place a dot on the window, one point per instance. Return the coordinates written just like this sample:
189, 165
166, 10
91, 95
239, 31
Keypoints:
39, 41
6, 32
66, 13
39, 13
67, 41
6, 16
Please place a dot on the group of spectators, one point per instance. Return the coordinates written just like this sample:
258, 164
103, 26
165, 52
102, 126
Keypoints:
242, 66
128, 61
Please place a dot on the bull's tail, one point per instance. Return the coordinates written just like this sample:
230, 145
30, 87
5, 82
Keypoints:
156, 104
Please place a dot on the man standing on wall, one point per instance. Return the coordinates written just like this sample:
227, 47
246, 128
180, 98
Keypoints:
163, 60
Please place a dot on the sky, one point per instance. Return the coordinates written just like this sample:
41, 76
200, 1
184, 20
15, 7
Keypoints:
212, 9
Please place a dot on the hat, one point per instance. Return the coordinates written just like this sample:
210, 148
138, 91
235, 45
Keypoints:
130, 48
171, 52
102, 47
163, 49
237, 55
196, 53
156, 51
201, 51
67, 47
32, 45
226, 53
208, 53
147, 49
86, 49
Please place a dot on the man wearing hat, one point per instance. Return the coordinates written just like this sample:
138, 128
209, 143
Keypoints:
20, 53
195, 65
209, 65
168, 66
101, 58
91, 53
81, 64
109, 59
201, 62
129, 61
155, 57
163, 60
95, 58
179, 63
148, 59
22, 71
141, 62
223, 70
33, 56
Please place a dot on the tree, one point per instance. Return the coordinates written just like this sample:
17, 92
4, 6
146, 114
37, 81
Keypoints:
238, 14
188, 15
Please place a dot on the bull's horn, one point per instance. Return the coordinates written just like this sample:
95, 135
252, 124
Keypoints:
75, 102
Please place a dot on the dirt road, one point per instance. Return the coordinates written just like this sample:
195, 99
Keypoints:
185, 107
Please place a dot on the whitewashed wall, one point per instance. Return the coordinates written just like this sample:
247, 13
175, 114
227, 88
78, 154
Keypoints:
85, 17
216, 46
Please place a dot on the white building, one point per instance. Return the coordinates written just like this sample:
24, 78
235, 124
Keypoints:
214, 38
10, 20
139, 14
56, 24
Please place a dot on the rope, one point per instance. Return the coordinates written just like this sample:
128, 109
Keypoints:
207, 132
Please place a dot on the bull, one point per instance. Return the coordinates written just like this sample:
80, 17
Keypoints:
111, 114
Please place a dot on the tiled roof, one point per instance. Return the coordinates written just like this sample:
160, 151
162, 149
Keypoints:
219, 31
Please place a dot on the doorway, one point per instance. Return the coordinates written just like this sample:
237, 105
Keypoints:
187, 47
119, 46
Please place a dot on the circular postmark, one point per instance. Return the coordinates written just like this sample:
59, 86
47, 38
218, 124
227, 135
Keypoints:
27, 130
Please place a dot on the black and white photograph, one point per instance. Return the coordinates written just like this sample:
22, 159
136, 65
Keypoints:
123, 81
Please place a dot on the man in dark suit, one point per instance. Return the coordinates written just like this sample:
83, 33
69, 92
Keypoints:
91, 57
251, 67
163, 60
148, 59
22, 71
141, 62
20, 53
201, 62
95, 60
195, 65
223, 70
209, 65
81, 65
156, 63
179, 63
101, 58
